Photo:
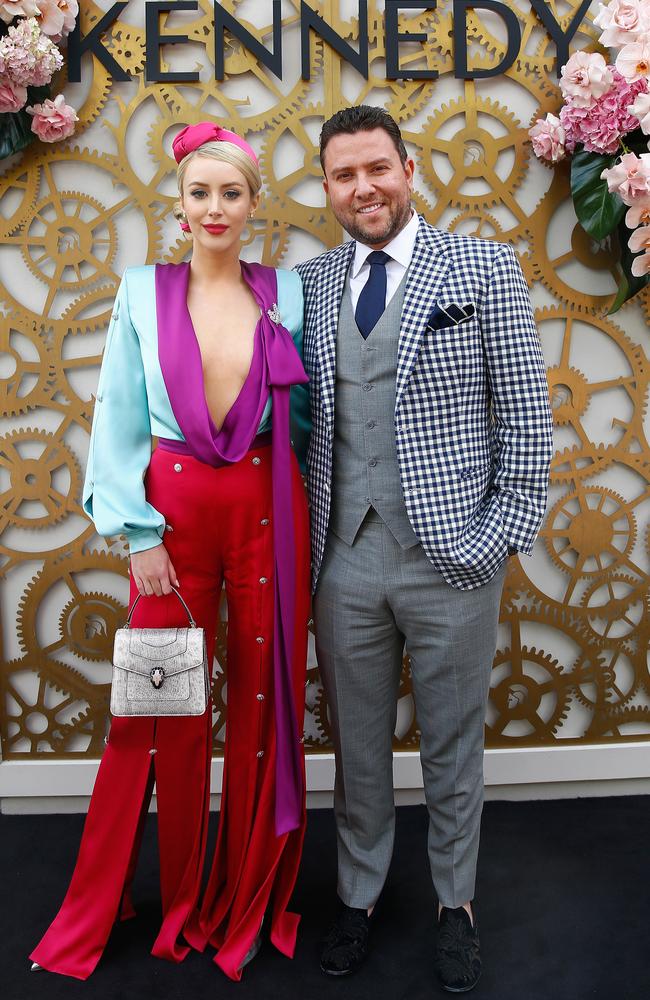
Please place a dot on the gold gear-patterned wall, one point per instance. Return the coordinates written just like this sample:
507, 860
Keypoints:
572, 663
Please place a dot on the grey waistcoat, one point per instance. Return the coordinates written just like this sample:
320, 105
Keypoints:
365, 473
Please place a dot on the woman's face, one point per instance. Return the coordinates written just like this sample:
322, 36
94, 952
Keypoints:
217, 201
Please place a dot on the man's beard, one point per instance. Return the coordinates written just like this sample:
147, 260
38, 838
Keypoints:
394, 226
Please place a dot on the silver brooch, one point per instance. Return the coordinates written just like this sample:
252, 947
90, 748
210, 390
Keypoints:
274, 313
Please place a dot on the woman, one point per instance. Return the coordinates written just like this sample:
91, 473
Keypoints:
204, 356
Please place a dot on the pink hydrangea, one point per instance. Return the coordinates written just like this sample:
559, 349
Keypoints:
57, 17
53, 120
585, 77
633, 61
629, 178
623, 21
9, 9
548, 136
640, 240
12, 96
29, 58
600, 127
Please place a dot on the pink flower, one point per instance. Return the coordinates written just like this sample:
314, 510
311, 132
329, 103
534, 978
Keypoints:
28, 58
12, 96
639, 213
641, 110
629, 178
9, 9
641, 265
57, 17
633, 61
640, 240
623, 21
600, 127
585, 77
548, 137
53, 120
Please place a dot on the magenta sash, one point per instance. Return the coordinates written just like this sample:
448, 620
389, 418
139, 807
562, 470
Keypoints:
275, 366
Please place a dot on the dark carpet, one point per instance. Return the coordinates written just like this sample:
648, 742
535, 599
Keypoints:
562, 906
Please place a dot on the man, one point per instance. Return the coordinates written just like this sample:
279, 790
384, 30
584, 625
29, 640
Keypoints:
428, 465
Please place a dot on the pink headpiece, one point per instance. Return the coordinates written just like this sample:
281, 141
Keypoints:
193, 136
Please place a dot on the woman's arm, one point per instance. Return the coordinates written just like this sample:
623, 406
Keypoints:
120, 449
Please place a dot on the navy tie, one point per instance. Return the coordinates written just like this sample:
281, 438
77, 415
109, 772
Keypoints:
372, 300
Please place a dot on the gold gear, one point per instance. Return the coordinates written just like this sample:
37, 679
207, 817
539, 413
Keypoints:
87, 620
473, 153
595, 526
528, 689
581, 462
571, 392
18, 390
317, 221
21, 182
69, 229
42, 716
481, 225
138, 194
616, 607
614, 724
32, 479
596, 258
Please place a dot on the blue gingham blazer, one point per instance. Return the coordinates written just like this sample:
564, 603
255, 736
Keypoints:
472, 418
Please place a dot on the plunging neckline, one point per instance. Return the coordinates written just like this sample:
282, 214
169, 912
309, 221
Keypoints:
214, 430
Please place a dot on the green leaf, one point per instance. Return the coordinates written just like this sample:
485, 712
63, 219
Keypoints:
598, 211
629, 284
15, 132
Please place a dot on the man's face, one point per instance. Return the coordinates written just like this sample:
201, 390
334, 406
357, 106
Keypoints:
368, 185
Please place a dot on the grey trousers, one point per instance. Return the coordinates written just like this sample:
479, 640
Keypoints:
372, 599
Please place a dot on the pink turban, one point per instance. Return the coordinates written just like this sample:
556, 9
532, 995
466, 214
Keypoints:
193, 136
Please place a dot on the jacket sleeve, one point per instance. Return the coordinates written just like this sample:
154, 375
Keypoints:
292, 317
522, 419
120, 441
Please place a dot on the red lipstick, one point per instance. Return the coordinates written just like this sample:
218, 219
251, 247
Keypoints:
214, 228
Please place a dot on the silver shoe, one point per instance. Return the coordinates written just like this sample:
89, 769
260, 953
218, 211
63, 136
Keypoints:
254, 948
36, 967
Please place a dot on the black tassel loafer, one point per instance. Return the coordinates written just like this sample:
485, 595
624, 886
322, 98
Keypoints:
346, 946
458, 953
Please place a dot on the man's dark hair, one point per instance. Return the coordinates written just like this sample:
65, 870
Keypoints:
362, 118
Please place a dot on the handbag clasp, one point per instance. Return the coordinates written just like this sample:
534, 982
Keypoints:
157, 676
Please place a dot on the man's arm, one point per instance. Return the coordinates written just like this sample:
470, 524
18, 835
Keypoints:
523, 423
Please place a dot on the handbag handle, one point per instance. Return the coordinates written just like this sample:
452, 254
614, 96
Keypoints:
132, 609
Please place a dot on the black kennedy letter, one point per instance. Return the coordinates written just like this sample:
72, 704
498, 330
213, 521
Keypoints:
394, 36
224, 19
309, 19
460, 38
91, 43
152, 70
561, 38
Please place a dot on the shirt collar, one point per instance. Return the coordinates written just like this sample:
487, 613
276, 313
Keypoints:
400, 247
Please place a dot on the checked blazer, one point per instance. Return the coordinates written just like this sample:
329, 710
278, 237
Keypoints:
473, 424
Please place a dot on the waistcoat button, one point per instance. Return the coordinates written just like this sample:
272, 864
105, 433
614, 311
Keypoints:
178, 467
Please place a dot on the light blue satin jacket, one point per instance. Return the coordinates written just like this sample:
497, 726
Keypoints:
132, 405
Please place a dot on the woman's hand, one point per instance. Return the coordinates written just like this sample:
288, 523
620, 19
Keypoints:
153, 572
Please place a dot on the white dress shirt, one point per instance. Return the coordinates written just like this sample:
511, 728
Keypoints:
400, 250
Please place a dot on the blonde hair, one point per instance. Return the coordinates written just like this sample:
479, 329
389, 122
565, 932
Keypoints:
227, 152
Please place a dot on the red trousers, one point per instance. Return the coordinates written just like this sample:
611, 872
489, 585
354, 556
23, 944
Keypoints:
221, 530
